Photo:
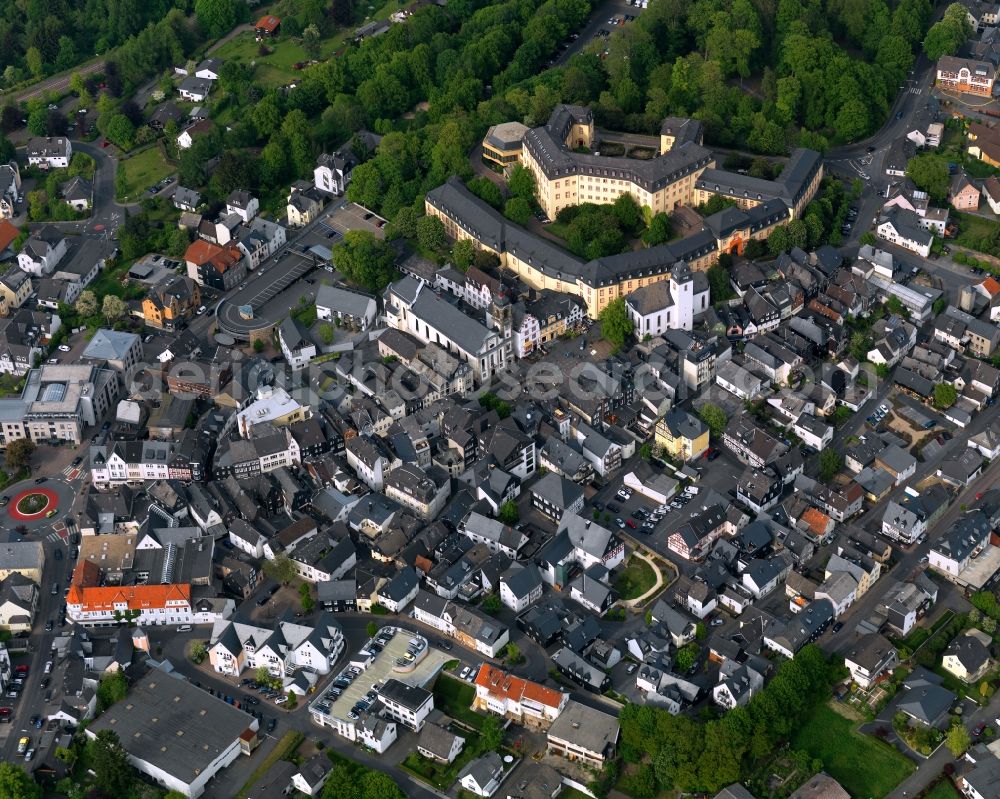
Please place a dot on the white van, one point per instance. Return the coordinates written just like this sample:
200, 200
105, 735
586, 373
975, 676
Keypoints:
184, 628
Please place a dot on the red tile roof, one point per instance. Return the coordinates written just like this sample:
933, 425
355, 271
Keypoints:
269, 23
136, 597
500, 683
204, 252
7, 234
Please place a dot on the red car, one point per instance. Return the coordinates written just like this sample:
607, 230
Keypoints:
22, 669
630, 523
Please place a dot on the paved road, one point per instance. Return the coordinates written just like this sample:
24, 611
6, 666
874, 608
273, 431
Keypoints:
929, 769
269, 280
32, 700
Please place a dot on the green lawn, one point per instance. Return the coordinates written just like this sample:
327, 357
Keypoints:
866, 767
635, 579
454, 697
276, 69
142, 171
943, 790
441, 775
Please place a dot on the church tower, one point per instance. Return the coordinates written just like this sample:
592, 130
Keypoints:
682, 291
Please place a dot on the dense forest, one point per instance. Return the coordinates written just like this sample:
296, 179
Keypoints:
38, 37
763, 75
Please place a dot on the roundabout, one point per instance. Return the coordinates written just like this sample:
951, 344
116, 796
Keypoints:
33, 503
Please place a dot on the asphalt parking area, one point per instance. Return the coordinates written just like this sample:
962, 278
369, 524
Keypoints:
382, 669
352, 217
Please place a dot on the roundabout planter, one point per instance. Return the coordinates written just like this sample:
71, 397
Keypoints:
33, 503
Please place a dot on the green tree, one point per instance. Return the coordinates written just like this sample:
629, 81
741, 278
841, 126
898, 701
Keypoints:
198, 652
365, 260
491, 604
377, 785
930, 173
431, 234
830, 463
113, 308
311, 41
939, 305
659, 230
719, 285
945, 395
462, 254
120, 131
716, 419
19, 452
491, 734
371, 629
518, 210
958, 740
627, 212
110, 764
485, 189
616, 326
509, 514
258, 345
38, 121
112, 688
15, 783
513, 654
868, 238
687, 656
306, 598
948, 35
217, 17
280, 568
521, 183
263, 676
33, 60
86, 303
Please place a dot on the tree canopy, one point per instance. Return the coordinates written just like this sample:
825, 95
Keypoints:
948, 35
365, 260
616, 326
930, 173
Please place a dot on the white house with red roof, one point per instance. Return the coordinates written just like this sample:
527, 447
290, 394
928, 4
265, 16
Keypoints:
990, 289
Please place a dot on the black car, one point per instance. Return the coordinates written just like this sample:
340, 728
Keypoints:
273, 590
713, 454
40, 480
598, 505
613, 508
263, 601
49, 625
77, 461
4, 501
271, 725
58, 553
838, 626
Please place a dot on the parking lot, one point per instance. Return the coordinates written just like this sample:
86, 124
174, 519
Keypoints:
382, 668
599, 21
353, 217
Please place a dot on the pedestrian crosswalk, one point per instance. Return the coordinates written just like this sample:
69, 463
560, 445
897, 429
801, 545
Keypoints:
57, 537
915, 90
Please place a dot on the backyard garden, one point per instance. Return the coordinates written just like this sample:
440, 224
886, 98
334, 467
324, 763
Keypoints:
864, 765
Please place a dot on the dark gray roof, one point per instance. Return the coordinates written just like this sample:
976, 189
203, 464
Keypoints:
790, 185
409, 696
172, 725
557, 490
521, 579
970, 652
924, 698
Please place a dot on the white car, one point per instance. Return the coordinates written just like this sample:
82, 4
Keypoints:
64, 348
202, 310
464, 673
